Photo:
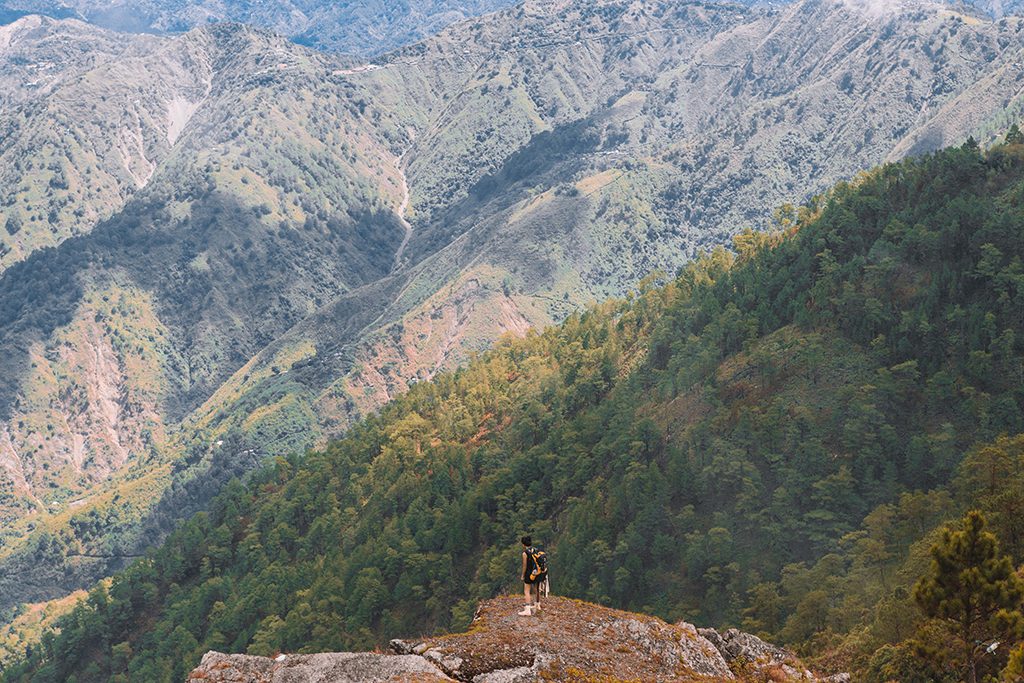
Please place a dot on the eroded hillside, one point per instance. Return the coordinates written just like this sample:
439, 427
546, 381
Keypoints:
272, 198
599, 144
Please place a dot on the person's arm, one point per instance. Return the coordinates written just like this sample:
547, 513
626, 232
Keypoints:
523, 573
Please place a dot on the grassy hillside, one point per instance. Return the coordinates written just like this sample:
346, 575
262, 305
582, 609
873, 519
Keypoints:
83, 128
571, 150
248, 224
768, 439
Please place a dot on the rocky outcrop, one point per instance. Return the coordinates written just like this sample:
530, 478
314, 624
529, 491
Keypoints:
320, 668
735, 644
567, 640
695, 650
748, 653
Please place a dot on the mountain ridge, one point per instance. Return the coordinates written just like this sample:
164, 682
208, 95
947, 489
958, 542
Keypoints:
364, 30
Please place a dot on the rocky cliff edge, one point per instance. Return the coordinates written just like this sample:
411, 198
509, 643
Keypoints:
567, 640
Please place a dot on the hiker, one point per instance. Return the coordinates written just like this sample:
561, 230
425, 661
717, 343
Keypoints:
535, 576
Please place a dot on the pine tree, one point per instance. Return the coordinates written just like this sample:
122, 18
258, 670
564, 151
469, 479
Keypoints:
972, 588
1014, 136
1014, 670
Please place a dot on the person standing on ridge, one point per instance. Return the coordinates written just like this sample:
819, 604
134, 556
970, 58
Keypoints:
535, 575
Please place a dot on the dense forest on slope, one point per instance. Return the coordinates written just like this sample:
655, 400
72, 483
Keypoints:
770, 439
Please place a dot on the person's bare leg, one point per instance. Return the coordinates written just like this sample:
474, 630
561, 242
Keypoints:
528, 608
536, 596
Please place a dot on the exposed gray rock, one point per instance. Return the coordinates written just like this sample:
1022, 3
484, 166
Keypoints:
407, 647
522, 674
231, 669
519, 674
702, 656
318, 668
737, 646
401, 647
504, 647
448, 663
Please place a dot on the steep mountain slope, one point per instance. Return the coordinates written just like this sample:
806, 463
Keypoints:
245, 303
998, 8
743, 443
248, 224
84, 133
83, 128
646, 146
352, 27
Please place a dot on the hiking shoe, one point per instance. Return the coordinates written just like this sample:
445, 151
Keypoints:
526, 612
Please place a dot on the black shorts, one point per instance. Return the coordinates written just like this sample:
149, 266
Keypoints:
529, 582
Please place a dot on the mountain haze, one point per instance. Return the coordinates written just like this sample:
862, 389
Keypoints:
360, 28
271, 242
365, 27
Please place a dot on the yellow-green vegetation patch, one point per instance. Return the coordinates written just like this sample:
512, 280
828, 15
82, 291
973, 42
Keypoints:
965, 18
91, 399
531, 204
29, 623
201, 263
243, 183
272, 412
598, 181
632, 98
251, 375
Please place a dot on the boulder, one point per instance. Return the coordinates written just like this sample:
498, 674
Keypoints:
701, 654
449, 663
735, 644
751, 654
521, 674
401, 647
319, 668
566, 640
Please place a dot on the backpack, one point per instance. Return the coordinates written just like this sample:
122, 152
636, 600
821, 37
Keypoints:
540, 562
